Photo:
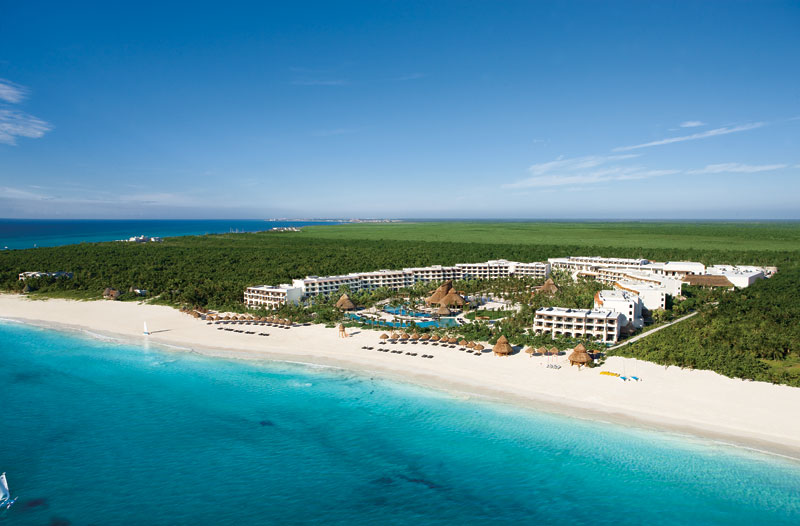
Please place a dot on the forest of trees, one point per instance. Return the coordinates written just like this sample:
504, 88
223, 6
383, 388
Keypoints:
213, 271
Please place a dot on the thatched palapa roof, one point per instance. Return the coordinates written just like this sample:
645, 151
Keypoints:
502, 347
579, 356
440, 292
453, 298
443, 311
345, 303
111, 294
707, 281
549, 287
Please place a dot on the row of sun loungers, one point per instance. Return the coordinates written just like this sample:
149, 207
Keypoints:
442, 345
396, 351
241, 331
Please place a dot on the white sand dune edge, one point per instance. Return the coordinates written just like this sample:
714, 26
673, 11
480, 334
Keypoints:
756, 415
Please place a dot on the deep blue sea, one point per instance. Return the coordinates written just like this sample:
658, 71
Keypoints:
112, 433
29, 233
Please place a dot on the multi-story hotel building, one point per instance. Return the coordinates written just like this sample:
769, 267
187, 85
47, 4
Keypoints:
676, 269
578, 263
273, 297
626, 303
599, 325
739, 276
653, 296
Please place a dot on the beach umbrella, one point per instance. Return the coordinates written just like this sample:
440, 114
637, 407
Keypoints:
415, 336
463, 343
554, 350
425, 336
502, 347
435, 338
452, 339
478, 347
470, 345
384, 336
530, 350
404, 336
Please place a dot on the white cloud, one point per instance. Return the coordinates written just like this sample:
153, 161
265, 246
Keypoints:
15, 124
725, 130
10, 92
737, 168
586, 170
577, 163
692, 124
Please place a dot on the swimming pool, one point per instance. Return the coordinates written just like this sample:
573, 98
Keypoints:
441, 322
402, 311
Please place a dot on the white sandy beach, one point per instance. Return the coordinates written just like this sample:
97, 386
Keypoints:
703, 403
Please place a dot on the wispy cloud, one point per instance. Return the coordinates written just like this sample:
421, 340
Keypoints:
737, 168
321, 82
585, 170
15, 124
692, 124
11, 92
725, 130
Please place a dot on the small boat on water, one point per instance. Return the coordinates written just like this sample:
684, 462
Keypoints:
5, 495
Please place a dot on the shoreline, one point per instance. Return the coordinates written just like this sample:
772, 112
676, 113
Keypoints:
688, 403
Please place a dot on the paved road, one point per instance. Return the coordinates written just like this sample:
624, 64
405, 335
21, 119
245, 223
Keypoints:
648, 333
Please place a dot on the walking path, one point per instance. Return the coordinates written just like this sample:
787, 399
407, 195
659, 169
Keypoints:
648, 333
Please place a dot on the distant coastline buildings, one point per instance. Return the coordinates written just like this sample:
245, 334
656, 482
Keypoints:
36, 274
142, 239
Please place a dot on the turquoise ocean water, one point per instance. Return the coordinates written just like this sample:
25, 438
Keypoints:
104, 432
29, 233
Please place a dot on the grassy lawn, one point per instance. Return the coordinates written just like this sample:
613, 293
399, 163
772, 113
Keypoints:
709, 236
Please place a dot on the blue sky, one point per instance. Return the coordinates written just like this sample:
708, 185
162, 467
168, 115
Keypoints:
400, 109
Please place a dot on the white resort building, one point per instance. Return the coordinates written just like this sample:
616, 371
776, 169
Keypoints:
600, 325
273, 297
653, 281
626, 303
653, 296
741, 276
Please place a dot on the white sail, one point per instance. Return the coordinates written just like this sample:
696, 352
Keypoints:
145, 328
4, 493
